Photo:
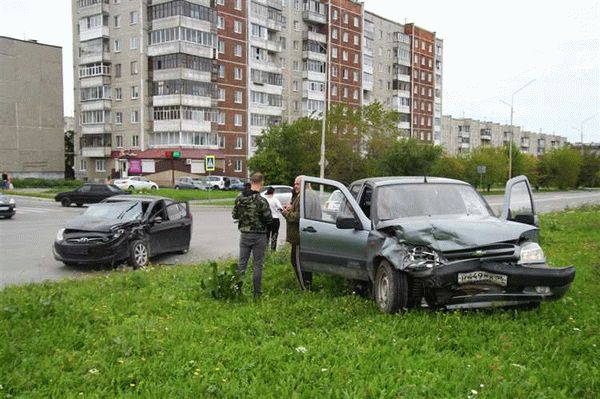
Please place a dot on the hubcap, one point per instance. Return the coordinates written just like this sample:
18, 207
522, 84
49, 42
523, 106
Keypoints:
383, 288
140, 254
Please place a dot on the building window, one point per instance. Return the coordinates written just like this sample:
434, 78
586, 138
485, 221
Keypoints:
296, 25
222, 71
295, 66
221, 140
238, 165
344, 55
238, 50
346, 18
237, 119
237, 26
117, 20
134, 67
221, 46
133, 43
135, 116
356, 58
100, 165
119, 141
334, 14
237, 73
295, 85
133, 17
334, 52
118, 94
221, 94
237, 4
221, 118
135, 141
356, 22
117, 46
334, 90
118, 118
238, 97
117, 70
135, 92
345, 92
356, 40
239, 143
221, 2
220, 22
83, 165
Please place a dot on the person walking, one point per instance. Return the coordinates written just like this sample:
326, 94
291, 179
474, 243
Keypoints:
276, 208
253, 214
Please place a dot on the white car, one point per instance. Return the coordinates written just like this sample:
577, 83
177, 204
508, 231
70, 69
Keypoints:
135, 183
282, 193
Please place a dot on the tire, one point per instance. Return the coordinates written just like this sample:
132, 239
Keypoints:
176, 187
138, 254
153, 188
131, 188
79, 204
65, 202
390, 288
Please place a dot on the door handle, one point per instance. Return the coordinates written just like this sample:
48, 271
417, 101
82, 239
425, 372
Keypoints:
309, 229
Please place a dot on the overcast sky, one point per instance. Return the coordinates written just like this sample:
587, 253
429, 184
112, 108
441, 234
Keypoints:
491, 49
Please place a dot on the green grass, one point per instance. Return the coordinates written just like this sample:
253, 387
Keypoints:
155, 333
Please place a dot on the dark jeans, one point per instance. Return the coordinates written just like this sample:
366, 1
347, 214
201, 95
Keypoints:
273, 233
255, 243
305, 277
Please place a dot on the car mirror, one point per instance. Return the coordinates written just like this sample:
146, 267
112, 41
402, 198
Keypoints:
346, 223
157, 220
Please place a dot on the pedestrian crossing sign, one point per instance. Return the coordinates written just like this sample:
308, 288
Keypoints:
210, 163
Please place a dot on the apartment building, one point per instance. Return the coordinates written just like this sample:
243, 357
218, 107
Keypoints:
31, 109
194, 78
462, 135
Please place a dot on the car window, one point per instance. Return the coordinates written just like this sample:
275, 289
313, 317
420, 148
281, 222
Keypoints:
365, 201
134, 178
354, 190
113, 188
324, 203
176, 211
84, 189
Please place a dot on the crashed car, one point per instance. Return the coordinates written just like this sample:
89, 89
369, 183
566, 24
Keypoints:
437, 239
125, 227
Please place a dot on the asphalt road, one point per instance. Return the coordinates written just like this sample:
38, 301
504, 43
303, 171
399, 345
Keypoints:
26, 240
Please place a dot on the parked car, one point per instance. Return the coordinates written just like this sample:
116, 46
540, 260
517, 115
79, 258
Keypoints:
188, 182
8, 207
89, 193
422, 237
132, 228
135, 183
215, 182
282, 193
236, 184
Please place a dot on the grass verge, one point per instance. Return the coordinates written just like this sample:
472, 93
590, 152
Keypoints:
155, 333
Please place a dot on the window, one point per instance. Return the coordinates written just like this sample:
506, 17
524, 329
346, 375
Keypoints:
135, 92
334, 14
237, 119
296, 46
221, 140
318, 197
356, 22
355, 94
356, 39
117, 46
346, 18
117, 19
238, 50
237, 26
334, 52
221, 94
237, 73
133, 17
220, 22
355, 58
239, 143
237, 4
135, 141
83, 165
100, 165
221, 46
222, 71
118, 94
334, 90
238, 165
221, 118
345, 92
119, 141
135, 116
345, 55
134, 67
296, 25
355, 76
133, 43
221, 2
118, 118
238, 97
117, 70
345, 37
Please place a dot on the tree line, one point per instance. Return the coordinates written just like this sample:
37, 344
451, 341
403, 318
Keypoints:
366, 142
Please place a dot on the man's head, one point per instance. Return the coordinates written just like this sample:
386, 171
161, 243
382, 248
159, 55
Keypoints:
270, 191
256, 181
297, 182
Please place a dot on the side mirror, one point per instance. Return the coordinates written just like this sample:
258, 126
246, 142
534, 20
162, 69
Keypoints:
346, 223
157, 220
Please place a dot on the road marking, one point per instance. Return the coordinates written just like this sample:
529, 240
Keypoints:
35, 210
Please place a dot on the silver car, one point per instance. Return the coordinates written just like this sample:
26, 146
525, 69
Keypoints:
282, 193
437, 239
189, 182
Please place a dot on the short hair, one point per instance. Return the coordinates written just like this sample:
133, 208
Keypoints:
270, 190
257, 178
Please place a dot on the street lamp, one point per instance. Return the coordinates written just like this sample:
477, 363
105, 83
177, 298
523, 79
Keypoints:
581, 128
512, 98
327, 93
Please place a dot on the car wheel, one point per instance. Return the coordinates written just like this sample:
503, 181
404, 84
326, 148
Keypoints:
8, 216
215, 187
153, 188
138, 254
79, 204
176, 187
65, 202
391, 288
183, 251
131, 188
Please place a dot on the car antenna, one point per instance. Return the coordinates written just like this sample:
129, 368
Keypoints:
424, 179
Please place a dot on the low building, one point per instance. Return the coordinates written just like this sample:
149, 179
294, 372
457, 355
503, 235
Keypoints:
31, 109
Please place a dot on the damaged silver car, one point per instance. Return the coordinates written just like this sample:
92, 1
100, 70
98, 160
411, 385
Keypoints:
436, 239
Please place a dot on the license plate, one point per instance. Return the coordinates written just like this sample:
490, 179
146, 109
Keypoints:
4, 208
475, 277
78, 250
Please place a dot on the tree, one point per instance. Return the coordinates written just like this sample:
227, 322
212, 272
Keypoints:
495, 161
69, 154
451, 167
407, 157
589, 169
560, 168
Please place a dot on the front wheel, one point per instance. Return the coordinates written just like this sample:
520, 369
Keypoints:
138, 254
176, 187
391, 288
65, 202
131, 188
154, 188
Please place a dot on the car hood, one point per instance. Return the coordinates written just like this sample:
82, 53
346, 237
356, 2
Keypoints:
86, 223
453, 234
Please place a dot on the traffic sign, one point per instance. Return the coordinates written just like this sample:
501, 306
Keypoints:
210, 163
176, 154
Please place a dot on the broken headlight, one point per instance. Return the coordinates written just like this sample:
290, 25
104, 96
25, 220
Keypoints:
421, 258
531, 252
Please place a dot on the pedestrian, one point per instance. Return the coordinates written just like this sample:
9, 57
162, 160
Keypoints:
292, 216
4, 181
253, 214
276, 209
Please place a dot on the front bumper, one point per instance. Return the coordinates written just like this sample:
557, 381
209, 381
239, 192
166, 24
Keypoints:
8, 210
524, 284
91, 253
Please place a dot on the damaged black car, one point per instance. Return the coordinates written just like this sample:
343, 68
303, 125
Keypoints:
125, 228
426, 240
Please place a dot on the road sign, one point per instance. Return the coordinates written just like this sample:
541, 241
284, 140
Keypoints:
210, 163
481, 169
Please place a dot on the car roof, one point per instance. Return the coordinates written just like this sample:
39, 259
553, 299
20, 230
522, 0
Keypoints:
275, 186
387, 180
142, 198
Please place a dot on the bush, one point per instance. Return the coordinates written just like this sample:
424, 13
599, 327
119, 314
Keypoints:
31, 182
223, 284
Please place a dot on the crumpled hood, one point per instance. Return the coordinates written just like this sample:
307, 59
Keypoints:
86, 223
452, 233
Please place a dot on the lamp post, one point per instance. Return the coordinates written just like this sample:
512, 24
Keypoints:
327, 94
512, 133
581, 128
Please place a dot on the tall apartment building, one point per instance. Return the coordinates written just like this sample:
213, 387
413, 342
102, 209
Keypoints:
31, 109
206, 77
462, 135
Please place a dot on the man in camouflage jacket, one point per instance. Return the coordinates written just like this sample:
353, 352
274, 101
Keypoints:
254, 216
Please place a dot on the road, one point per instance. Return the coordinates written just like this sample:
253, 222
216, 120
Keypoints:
26, 240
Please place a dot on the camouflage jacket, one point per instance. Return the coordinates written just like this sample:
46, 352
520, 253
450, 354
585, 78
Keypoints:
252, 211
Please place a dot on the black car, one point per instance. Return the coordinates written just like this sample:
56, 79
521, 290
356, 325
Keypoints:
89, 193
8, 207
132, 228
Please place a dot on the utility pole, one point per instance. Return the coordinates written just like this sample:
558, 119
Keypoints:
327, 93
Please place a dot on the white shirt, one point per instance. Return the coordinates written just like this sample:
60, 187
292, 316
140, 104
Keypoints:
275, 206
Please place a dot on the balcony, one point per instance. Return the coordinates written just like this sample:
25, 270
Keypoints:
315, 36
182, 99
313, 55
313, 95
265, 65
96, 105
402, 77
94, 33
181, 73
101, 7
181, 20
180, 47
316, 76
182, 125
94, 81
270, 45
95, 58
525, 142
464, 146
95, 152
314, 17
403, 125
486, 135
97, 128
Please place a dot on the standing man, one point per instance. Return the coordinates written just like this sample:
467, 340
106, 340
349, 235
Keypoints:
254, 217
276, 209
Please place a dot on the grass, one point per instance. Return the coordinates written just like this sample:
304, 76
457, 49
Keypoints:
155, 333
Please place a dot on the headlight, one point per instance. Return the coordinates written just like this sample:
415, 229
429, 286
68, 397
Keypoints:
118, 233
531, 253
59, 235
421, 258
11, 201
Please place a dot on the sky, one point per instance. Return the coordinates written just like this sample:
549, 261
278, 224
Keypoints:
491, 49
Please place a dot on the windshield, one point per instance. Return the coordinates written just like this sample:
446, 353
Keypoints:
409, 200
122, 210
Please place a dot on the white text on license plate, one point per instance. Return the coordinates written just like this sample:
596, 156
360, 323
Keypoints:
474, 277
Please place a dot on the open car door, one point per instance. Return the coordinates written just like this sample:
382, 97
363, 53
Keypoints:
333, 230
518, 202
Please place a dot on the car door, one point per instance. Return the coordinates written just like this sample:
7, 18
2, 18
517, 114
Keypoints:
167, 235
97, 194
82, 194
325, 247
518, 202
